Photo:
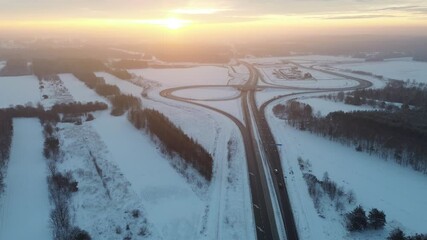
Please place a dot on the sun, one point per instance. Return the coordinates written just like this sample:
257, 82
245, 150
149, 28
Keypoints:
174, 23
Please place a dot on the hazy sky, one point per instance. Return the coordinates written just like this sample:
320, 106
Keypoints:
294, 16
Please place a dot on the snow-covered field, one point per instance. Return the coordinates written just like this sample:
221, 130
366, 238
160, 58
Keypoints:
217, 93
374, 181
19, 91
324, 106
170, 201
303, 59
177, 208
321, 80
25, 207
171, 77
55, 91
399, 68
79, 91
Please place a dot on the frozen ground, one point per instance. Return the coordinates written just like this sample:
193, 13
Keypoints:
170, 202
373, 180
56, 92
78, 89
105, 201
233, 107
376, 83
19, 91
216, 93
399, 68
324, 106
220, 210
171, 77
303, 59
321, 80
24, 207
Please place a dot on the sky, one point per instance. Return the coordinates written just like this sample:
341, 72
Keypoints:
234, 18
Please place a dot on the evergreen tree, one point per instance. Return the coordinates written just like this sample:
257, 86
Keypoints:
396, 234
376, 219
356, 219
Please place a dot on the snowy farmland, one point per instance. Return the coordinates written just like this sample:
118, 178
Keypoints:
317, 79
20, 90
171, 77
25, 207
399, 69
373, 180
129, 187
324, 106
222, 207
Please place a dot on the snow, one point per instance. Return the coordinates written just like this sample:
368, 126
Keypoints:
302, 59
376, 83
219, 210
374, 181
124, 86
56, 91
25, 208
19, 91
105, 199
208, 94
170, 202
79, 90
322, 80
233, 107
324, 106
171, 77
400, 69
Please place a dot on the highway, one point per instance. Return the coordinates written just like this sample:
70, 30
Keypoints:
262, 155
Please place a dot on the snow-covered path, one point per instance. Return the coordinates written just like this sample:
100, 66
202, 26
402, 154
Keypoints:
24, 208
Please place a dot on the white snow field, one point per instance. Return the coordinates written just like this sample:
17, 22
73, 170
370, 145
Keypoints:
79, 91
170, 202
24, 207
322, 80
105, 201
233, 107
399, 68
170, 77
216, 93
19, 91
324, 106
55, 91
176, 206
376, 183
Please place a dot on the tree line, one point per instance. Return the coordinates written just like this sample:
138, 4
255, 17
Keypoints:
78, 107
173, 139
51, 115
6, 131
130, 64
46, 67
15, 67
401, 136
406, 93
121, 102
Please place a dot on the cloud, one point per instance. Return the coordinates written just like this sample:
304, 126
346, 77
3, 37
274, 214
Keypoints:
343, 17
198, 11
413, 9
